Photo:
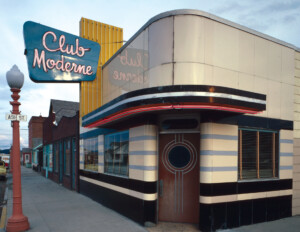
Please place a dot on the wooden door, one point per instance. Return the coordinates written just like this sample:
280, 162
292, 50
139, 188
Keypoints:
179, 177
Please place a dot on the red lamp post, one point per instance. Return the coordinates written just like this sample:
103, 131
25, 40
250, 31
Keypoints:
17, 222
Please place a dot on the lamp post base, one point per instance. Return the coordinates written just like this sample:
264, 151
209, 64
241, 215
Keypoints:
17, 224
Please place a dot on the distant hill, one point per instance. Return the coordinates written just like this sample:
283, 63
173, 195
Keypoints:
5, 151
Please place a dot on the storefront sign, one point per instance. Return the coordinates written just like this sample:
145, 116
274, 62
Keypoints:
57, 56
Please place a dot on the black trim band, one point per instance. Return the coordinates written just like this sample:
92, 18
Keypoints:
221, 189
135, 185
136, 209
234, 214
195, 94
248, 121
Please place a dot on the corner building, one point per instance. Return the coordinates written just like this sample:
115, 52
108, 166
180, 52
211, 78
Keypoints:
191, 121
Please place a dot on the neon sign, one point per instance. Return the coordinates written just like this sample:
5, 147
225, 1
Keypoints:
57, 56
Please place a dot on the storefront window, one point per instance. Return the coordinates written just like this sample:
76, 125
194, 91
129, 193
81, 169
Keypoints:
67, 157
91, 154
258, 154
116, 153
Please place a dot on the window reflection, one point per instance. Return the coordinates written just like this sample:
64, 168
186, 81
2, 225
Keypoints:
116, 153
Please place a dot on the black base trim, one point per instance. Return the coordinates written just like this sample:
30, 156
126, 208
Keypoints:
136, 185
235, 214
221, 189
136, 209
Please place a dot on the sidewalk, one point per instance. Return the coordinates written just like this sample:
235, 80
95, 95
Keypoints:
51, 207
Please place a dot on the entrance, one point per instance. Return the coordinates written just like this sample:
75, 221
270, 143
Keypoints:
179, 177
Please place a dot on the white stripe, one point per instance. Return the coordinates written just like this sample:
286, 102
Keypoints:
177, 94
143, 196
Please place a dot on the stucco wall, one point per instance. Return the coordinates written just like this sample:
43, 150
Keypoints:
296, 170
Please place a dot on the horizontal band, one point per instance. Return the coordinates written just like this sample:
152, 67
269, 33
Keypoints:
136, 185
286, 141
285, 167
242, 197
143, 196
143, 153
144, 168
142, 138
221, 153
216, 136
289, 154
181, 96
218, 169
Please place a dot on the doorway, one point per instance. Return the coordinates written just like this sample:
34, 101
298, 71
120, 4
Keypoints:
179, 177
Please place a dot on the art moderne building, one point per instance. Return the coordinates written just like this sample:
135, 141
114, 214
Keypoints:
192, 121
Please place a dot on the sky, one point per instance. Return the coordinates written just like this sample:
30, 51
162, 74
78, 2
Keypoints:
276, 18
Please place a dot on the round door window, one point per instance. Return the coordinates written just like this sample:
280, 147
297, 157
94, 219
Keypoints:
179, 156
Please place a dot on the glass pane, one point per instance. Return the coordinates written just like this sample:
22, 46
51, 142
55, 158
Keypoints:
265, 154
116, 153
249, 154
91, 154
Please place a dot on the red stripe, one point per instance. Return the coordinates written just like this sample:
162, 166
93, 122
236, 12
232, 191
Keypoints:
129, 112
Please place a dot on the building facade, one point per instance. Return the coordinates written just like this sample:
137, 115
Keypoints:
35, 139
194, 124
60, 143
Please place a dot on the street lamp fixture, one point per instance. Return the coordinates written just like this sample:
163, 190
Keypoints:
17, 222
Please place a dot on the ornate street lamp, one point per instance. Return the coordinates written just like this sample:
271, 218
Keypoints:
17, 222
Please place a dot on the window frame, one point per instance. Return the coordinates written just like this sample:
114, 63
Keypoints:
275, 154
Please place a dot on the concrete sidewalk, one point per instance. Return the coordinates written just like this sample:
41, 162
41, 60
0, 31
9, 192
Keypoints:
51, 207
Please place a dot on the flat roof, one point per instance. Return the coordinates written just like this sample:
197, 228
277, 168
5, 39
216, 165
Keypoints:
205, 15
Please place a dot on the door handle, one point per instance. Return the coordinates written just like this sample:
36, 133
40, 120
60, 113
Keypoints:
161, 188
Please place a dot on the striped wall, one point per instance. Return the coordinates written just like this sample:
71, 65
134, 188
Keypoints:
286, 154
296, 168
218, 153
143, 154
219, 164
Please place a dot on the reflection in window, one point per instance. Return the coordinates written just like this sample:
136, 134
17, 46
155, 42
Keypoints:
116, 153
91, 154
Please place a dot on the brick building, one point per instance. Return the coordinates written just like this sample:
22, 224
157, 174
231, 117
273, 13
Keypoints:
60, 143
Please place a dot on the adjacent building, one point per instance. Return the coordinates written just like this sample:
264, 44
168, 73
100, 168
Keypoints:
60, 143
35, 139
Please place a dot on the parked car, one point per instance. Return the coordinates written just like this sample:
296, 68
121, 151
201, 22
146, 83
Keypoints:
2, 170
6, 160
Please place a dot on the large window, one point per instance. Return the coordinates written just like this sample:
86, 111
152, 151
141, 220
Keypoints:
258, 154
91, 154
116, 153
